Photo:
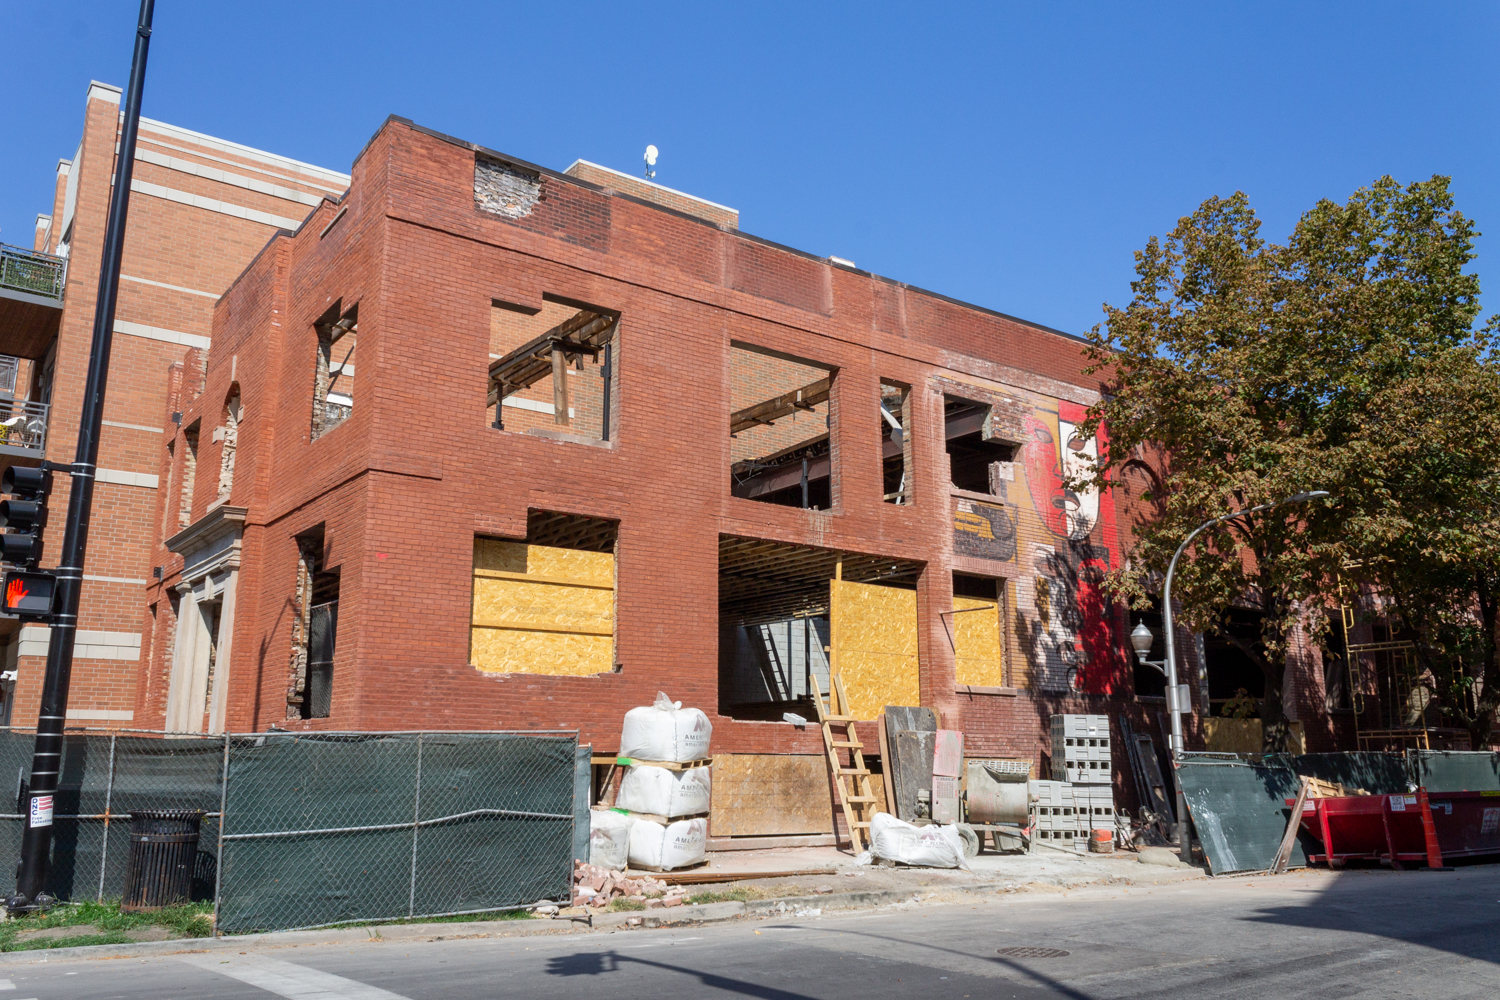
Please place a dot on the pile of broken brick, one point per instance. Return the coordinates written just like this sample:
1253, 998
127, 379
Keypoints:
596, 887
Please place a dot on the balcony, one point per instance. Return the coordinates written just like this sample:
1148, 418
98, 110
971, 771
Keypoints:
31, 300
23, 424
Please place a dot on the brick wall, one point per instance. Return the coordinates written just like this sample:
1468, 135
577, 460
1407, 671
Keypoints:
177, 258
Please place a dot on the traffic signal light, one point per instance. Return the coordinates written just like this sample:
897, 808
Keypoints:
24, 515
29, 595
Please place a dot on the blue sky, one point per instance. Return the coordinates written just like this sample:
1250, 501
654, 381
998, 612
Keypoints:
1010, 155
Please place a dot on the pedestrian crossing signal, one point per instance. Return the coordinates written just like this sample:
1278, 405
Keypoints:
29, 595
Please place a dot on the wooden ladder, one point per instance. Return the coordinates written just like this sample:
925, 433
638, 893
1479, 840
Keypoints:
858, 805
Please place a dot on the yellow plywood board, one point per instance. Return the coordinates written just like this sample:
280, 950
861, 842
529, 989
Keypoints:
546, 606
770, 794
874, 632
977, 655
507, 652
541, 610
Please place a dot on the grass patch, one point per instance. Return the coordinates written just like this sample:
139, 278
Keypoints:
455, 918
622, 905
109, 924
741, 895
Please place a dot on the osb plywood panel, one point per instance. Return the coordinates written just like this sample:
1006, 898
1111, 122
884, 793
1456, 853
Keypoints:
541, 610
509, 652
757, 795
874, 636
976, 640
547, 607
595, 569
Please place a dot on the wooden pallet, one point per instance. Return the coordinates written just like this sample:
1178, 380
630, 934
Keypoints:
679, 868
670, 765
859, 804
658, 818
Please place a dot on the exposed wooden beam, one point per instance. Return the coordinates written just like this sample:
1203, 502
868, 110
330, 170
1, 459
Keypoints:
770, 410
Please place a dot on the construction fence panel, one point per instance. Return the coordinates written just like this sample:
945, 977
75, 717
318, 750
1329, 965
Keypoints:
1239, 809
1371, 771
324, 828
1455, 770
104, 777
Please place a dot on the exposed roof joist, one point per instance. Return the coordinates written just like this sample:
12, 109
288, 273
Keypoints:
769, 411
585, 332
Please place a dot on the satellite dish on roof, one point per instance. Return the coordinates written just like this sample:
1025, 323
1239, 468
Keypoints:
651, 155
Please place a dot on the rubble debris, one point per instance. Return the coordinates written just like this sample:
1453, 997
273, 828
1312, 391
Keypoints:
597, 887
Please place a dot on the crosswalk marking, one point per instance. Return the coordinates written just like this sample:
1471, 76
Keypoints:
294, 982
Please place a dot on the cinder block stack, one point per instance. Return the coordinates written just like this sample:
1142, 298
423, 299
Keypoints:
1057, 817
1081, 756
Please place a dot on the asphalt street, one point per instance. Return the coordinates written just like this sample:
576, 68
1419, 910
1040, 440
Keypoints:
1309, 934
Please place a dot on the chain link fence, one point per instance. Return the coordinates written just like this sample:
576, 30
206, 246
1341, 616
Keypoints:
312, 829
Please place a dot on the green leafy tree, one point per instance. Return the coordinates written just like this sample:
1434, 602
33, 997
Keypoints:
1243, 372
1424, 531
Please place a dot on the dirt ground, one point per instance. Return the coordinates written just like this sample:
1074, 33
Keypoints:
1044, 871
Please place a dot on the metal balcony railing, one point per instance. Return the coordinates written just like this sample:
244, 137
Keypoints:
9, 367
29, 271
23, 427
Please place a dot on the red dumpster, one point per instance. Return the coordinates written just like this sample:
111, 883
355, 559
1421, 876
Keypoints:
1392, 829
1468, 823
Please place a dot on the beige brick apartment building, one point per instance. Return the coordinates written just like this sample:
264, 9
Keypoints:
201, 208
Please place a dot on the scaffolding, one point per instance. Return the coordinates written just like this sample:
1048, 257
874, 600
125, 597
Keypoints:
1386, 680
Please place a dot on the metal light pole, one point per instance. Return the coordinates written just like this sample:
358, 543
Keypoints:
1175, 707
36, 841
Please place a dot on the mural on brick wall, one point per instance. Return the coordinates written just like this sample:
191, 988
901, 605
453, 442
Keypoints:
1067, 640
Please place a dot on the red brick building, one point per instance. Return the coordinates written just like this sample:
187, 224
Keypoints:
718, 463
598, 443
200, 209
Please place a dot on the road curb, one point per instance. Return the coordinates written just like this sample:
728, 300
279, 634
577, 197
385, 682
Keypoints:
706, 913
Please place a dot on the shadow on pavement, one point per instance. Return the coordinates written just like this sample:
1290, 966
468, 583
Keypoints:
1453, 911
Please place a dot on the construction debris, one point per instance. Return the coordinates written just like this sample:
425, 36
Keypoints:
596, 887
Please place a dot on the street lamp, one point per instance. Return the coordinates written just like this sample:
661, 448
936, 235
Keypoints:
1176, 704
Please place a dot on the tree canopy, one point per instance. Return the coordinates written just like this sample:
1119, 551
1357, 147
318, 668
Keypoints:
1347, 359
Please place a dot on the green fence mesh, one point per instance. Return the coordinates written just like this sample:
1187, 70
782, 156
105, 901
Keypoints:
320, 828
329, 828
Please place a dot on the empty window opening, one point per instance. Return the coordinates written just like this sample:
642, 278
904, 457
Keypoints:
1335, 656
780, 448
977, 463
895, 441
554, 369
229, 435
976, 628
546, 604
314, 631
189, 475
333, 379
1231, 658
789, 614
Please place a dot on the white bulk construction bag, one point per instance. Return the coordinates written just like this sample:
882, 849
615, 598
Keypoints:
929, 846
664, 730
661, 792
609, 839
675, 845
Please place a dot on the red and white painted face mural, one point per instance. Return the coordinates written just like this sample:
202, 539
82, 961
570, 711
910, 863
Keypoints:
1070, 646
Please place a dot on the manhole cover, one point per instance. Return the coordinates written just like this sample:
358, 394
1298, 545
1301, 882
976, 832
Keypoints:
1032, 952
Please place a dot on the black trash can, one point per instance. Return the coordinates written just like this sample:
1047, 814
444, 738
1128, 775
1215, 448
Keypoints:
163, 850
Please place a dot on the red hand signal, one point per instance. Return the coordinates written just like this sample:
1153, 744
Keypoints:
15, 593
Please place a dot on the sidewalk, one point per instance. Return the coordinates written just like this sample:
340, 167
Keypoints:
848, 887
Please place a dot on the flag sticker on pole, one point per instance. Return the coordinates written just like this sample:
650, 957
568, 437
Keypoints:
41, 810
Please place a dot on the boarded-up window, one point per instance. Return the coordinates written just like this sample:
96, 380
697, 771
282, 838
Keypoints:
542, 610
874, 632
977, 628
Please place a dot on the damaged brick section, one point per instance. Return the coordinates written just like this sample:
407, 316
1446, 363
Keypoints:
505, 191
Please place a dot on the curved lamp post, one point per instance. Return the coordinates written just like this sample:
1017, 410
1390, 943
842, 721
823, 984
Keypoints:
1141, 640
